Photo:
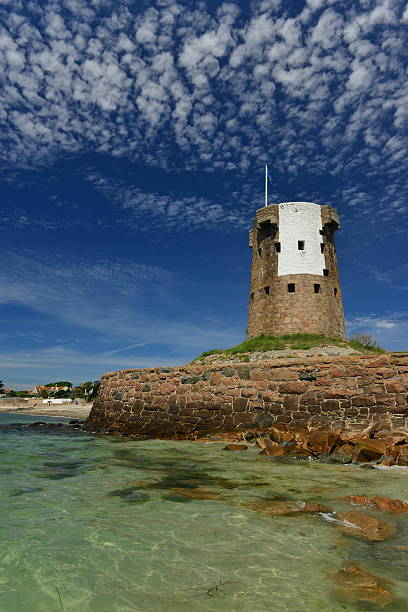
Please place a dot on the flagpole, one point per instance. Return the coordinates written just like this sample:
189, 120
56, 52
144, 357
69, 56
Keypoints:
266, 185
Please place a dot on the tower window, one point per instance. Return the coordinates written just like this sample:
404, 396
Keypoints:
252, 297
260, 252
325, 272
291, 287
301, 245
266, 290
335, 290
316, 288
322, 247
277, 247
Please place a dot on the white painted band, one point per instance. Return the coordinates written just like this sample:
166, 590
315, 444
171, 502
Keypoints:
300, 221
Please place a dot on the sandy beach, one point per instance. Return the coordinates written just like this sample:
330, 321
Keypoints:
37, 408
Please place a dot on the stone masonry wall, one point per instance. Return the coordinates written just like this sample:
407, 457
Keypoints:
194, 400
274, 311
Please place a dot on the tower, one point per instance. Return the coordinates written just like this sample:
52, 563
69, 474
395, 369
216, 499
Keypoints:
295, 286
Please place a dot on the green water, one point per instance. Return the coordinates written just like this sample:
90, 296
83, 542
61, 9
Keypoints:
99, 524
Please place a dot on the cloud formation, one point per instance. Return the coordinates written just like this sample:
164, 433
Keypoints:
322, 88
175, 213
109, 299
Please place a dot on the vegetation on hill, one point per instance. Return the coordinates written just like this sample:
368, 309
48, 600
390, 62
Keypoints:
263, 343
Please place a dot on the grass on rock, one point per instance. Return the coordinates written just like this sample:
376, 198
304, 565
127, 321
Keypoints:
264, 343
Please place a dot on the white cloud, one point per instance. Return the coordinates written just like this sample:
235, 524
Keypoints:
137, 81
390, 330
175, 213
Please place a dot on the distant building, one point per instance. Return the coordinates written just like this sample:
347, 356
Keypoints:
52, 389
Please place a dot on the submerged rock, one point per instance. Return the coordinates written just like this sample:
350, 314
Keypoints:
355, 583
236, 447
364, 526
272, 449
387, 504
287, 508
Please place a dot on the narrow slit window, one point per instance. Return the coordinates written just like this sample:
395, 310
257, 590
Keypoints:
291, 287
316, 288
335, 291
301, 245
277, 247
322, 247
260, 252
266, 290
325, 272
252, 296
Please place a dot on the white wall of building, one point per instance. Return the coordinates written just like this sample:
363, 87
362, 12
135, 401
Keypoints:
58, 400
300, 221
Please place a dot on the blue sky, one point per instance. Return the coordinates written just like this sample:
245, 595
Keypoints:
132, 146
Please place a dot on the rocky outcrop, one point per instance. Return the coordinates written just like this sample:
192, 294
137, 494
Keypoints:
191, 401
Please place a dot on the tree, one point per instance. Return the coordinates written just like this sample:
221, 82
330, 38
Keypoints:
88, 389
61, 393
60, 383
1, 387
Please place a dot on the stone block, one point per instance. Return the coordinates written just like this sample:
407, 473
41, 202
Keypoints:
244, 373
293, 387
291, 402
239, 404
280, 374
249, 392
363, 400
395, 386
329, 405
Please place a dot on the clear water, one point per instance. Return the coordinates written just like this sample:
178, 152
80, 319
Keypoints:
100, 524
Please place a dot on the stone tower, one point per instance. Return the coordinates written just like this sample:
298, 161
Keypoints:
295, 284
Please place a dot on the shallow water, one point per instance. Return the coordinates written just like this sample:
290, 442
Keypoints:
102, 524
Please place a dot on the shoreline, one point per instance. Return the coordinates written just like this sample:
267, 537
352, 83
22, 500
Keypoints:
67, 411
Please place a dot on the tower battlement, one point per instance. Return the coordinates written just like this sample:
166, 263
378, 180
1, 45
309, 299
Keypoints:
295, 285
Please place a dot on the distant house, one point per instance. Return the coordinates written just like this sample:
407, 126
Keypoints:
51, 389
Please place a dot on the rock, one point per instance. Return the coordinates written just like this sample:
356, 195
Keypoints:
376, 446
286, 436
355, 583
264, 442
358, 499
344, 452
275, 435
287, 508
387, 461
364, 526
368, 449
387, 504
295, 450
273, 449
402, 457
236, 447
321, 442
376, 426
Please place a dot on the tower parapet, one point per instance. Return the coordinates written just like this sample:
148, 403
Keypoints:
295, 285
